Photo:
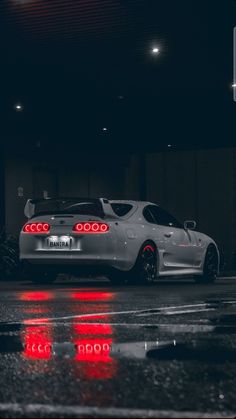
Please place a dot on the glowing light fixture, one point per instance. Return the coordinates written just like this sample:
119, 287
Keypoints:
36, 228
91, 227
18, 107
155, 50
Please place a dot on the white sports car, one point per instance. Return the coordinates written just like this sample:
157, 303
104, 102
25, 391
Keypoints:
129, 241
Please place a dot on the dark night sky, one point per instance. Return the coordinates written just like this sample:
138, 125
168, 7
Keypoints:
69, 63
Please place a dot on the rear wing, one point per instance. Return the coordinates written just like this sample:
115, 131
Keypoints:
30, 206
29, 209
107, 208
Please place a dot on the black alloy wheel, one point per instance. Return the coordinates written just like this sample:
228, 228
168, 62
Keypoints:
145, 270
210, 269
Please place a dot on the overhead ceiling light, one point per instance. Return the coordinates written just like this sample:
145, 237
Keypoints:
155, 50
18, 107
104, 129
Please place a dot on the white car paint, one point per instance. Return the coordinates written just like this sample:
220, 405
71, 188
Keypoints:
180, 251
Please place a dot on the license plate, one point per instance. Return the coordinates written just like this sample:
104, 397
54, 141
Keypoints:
59, 242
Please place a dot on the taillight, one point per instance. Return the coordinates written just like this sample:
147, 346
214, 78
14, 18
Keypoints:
91, 227
36, 228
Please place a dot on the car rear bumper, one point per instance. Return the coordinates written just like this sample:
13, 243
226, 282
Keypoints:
68, 259
85, 250
74, 268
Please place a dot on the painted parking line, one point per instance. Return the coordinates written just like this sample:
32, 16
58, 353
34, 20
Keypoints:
169, 327
166, 311
37, 410
172, 313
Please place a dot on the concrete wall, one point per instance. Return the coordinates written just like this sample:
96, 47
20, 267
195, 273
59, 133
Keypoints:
58, 178
18, 173
131, 182
2, 192
198, 185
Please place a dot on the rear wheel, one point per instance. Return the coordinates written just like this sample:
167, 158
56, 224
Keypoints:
145, 270
210, 268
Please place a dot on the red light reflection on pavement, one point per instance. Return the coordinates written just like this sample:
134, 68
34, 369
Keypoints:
91, 317
35, 321
95, 359
93, 296
93, 345
37, 342
36, 310
101, 371
36, 296
93, 329
93, 350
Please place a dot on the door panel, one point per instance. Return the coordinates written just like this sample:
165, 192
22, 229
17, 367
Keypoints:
179, 248
178, 244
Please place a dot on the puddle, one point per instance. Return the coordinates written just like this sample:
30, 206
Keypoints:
227, 319
10, 327
9, 344
197, 351
64, 350
218, 302
134, 350
104, 350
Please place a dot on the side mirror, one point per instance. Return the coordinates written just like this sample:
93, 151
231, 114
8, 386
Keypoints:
190, 225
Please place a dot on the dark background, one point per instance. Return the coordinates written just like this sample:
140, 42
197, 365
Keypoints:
78, 66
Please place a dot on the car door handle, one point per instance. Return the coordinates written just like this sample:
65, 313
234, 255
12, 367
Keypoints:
168, 235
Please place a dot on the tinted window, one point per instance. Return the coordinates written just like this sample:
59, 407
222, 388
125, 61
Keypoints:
121, 209
148, 215
161, 217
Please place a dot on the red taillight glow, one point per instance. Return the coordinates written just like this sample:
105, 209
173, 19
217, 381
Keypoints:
37, 343
36, 296
91, 227
36, 228
92, 296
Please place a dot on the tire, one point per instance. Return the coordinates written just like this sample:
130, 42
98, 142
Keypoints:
210, 268
144, 271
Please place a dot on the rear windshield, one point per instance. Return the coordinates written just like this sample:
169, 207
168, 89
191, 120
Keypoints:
69, 206
121, 209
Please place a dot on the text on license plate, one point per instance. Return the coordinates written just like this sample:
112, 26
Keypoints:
56, 242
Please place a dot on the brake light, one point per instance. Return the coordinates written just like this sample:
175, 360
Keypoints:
36, 228
91, 227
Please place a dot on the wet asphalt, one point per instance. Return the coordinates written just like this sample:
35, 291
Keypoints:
84, 348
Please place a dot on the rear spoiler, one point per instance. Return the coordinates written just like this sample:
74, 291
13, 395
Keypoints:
29, 209
107, 208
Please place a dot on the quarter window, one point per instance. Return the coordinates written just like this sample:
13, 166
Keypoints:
147, 213
155, 214
121, 209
